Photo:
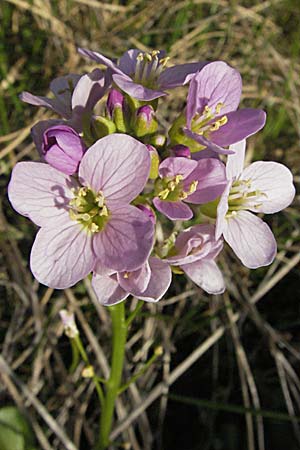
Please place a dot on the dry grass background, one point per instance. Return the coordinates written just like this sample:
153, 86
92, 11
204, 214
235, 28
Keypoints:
238, 353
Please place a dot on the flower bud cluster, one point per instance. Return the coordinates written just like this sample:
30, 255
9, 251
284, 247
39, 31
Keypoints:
106, 180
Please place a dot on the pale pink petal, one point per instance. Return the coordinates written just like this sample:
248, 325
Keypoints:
37, 131
127, 62
40, 192
136, 90
161, 277
240, 125
235, 162
207, 143
126, 241
108, 290
274, 181
89, 89
251, 239
206, 274
173, 166
136, 281
98, 57
222, 211
62, 88
62, 256
179, 75
50, 103
118, 165
173, 210
210, 174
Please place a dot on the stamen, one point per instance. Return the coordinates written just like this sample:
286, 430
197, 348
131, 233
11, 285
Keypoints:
88, 209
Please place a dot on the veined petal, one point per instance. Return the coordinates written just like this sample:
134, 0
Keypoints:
275, 181
206, 274
99, 58
50, 103
210, 174
118, 165
40, 192
240, 125
126, 240
179, 75
173, 166
251, 239
135, 282
235, 162
207, 143
89, 89
173, 210
217, 83
136, 90
222, 211
108, 290
37, 131
62, 255
160, 280
127, 62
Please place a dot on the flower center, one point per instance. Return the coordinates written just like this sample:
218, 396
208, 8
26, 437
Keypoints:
89, 209
171, 189
242, 197
148, 68
204, 123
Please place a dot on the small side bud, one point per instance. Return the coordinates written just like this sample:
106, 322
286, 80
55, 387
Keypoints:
158, 351
158, 140
63, 148
68, 320
180, 150
149, 211
145, 121
88, 372
154, 162
101, 126
115, 109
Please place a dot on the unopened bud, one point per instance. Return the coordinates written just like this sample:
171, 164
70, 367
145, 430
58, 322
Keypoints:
69, 324
63, 148
180, 150
88, 372
101, 126
145, 121
154, 162
158, 351
158, 140
115, 109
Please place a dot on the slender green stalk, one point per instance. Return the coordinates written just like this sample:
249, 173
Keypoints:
119, 329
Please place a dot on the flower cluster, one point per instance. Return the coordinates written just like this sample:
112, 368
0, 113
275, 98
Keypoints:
106, 178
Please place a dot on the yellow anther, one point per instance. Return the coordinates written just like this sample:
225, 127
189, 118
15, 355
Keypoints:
94, 228
164, 194
126, 275
104, 211
223, 121
88, 372
140, 57
218, 107
193, 187
178, 178
164, 61
155, 53
148, 56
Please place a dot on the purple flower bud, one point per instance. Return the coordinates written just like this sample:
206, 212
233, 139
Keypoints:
149, 211
114, 100
63, 148
180, 150
145, 121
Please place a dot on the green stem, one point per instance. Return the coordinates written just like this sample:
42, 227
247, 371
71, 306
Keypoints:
119, 329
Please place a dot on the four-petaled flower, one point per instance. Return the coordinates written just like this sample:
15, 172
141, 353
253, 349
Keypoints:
87, 220
194, 252
262, 187
212, 118
144, 75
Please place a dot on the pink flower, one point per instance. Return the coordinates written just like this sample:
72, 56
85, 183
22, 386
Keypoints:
149, 283
63, 148
144, 75
262, 187
195, 251
89, 220
185, 180
212, 117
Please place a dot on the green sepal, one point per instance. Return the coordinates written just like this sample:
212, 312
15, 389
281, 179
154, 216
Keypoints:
102, 126
210, 209
178, 136
154, 165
